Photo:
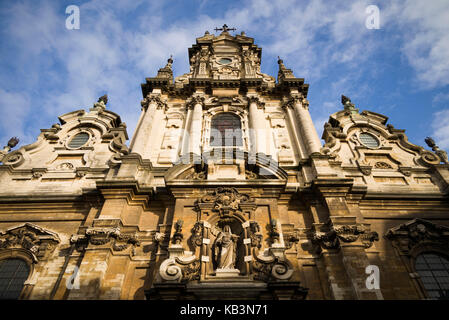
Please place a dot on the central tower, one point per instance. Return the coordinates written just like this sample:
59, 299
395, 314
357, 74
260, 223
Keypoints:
225, 104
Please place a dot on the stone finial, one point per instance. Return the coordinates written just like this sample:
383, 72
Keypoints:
348, 105
169, 62
166, 72
430, 142
440, 153
103, 98
101, 103
284, 73
13, 142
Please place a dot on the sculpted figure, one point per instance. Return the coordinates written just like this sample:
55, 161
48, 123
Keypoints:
226, 249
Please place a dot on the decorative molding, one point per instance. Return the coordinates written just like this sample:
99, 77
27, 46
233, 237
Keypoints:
98, 236
253, 99
418, 232
226, 201
194, 100
153, 98
38, 241
332, 237
197, 234
254, 234
382, 165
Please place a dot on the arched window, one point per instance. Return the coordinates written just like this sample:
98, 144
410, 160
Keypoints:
434, 272
13, 273
226, 130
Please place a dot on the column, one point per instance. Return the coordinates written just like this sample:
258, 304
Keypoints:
186, 134
142, 136
312, 141
196, 125
257, 126
296, 131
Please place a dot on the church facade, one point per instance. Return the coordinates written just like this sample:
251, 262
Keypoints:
225, 192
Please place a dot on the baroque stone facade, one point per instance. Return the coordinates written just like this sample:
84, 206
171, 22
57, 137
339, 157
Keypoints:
225, 192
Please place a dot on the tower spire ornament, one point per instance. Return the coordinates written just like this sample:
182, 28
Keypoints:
225, 28
101, 103
348, 105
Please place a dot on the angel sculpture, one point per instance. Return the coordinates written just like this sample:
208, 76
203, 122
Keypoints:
225, 248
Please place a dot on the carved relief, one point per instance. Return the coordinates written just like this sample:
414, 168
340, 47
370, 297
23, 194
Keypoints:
332, 235
180, 269
197, 234
225, 201
101, 236
38, 241
14, 159
382, 165
418, 232
255, 235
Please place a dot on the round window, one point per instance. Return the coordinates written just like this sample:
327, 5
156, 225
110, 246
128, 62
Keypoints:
78, 140
225, 61
368, 140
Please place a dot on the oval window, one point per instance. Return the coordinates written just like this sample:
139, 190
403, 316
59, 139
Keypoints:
225, 61
78, 140
368, 140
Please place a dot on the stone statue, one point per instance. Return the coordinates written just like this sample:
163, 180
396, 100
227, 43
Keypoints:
11, 144
101, 103
440, 153
226, 249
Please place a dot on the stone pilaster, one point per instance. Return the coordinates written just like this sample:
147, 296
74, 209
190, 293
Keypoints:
342, 241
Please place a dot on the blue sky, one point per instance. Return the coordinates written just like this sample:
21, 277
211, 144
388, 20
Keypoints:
400, 70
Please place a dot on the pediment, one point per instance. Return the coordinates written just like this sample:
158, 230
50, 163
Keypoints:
256, 169
36, 230
35, 240
418, 228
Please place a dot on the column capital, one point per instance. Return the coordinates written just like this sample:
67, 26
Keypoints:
153, 98
194, 100
256, 100
296, 99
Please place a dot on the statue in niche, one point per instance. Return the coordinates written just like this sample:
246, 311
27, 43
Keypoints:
225, 248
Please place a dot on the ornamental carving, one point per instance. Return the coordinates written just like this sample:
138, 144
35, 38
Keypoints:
38, 241
253, 99
65, 166
197, 234
153, 99
101, 236
195, 100
334, 235
417, 232
290, 237
14, 159
180, 269
272, 268
382, 165
225, 201
255, 235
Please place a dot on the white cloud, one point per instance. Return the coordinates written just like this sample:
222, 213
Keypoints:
106, 55
15, 111
440, 127
426, 42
